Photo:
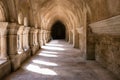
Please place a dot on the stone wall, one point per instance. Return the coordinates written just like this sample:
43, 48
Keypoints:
107, 51
5, 68
106, 40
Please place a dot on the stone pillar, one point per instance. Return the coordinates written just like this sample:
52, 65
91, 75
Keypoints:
42, 40
36, 37
39, 37
43, 37
12, 38
20, 39
82, 41
26, 38
76, 39
34, 40
67, 36
71, 37
3, 42
31, 37
48, 36
12, 46
85, 33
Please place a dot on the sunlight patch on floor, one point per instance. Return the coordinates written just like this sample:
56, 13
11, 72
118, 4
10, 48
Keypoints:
37, 69
44, 63
57, 45
52, 48
47, 55
49, 52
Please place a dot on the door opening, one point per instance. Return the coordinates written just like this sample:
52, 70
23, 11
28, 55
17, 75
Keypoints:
58, 31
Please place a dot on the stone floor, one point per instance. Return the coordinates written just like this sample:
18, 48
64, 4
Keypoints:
59, 61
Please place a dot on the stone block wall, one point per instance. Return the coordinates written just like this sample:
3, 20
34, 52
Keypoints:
106, 39
107, 51
5, 69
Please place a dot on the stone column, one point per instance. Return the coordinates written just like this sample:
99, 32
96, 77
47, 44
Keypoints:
71, 37
36, 37
48, 36
39, 37
20, 39
26, 38
43, 37
67, 36
31, 37
76, 39
12, 38
82, 41
3, 42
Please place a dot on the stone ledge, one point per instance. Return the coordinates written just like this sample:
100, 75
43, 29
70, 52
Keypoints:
5, 69
2, 61
109, 26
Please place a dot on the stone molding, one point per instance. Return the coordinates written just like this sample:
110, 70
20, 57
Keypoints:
12, 29
3, 28
20, 30
109, 26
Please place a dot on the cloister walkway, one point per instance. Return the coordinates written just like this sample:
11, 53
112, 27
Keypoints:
58, 60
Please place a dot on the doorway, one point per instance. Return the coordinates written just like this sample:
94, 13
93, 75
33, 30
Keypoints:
58, 30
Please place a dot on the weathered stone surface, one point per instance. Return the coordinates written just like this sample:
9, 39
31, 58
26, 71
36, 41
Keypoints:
34, 41
103, 17
109, 26
108, 53
3, 40
59, 61
5, 69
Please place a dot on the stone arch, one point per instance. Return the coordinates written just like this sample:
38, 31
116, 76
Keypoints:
3, 13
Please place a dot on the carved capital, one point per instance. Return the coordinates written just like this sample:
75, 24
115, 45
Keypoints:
12, 29
3, 28
20, 30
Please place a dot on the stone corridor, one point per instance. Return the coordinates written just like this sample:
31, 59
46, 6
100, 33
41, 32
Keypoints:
58, 60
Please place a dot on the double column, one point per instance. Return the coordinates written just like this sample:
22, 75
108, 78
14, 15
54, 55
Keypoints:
20, 39
3, 42
46, 36
34, 44
26, 38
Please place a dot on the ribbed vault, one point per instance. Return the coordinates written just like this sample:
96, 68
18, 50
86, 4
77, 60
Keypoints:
68, 12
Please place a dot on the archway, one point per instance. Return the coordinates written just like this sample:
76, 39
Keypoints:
58, 31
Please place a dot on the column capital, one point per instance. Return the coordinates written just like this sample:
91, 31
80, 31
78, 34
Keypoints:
3, 28
12, 28
26, 30
20, 30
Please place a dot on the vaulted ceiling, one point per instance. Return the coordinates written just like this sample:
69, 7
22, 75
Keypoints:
44, 13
